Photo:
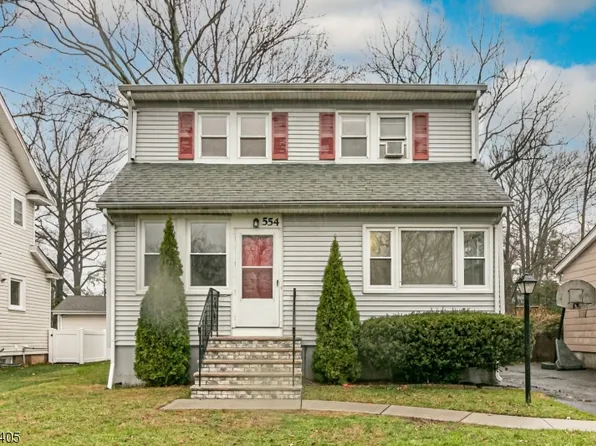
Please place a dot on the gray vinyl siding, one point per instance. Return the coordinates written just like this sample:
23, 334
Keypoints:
128, 299
31, 326
306, 244
450, 135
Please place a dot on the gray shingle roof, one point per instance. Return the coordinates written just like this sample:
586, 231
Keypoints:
81, 304
146, 185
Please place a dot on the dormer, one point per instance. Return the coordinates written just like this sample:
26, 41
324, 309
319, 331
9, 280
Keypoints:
323, 123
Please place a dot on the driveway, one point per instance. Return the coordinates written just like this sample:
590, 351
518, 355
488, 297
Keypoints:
576, 388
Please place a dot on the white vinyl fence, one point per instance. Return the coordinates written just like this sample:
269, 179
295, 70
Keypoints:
77, 346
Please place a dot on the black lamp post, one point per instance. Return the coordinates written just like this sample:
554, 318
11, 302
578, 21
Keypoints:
525, 285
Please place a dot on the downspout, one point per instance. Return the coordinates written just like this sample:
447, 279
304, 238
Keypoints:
111, 288
498, 272
132, 127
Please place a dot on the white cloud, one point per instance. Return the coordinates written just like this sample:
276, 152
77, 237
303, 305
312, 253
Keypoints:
541, 10
350, 23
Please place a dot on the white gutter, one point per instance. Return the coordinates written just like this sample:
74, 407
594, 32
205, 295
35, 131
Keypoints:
111, 295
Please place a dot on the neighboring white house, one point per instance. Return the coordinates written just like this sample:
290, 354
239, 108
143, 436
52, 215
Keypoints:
260, 178
76, 312
25, 273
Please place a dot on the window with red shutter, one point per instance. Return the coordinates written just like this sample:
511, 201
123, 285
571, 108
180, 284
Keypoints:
326, 136
280, 135
186, 128
420, 132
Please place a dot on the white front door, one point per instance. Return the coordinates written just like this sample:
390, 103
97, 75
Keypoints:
257, 287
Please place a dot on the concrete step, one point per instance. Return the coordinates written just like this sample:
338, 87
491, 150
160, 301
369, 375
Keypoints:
245, 392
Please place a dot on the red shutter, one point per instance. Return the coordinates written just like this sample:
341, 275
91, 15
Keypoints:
280, 135
420, 131
326, 136
186, 129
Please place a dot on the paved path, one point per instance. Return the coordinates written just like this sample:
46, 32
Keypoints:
576, 388
456, 416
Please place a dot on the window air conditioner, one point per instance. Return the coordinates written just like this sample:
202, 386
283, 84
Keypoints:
395, 149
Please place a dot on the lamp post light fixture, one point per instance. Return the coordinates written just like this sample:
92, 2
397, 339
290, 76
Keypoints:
525, 285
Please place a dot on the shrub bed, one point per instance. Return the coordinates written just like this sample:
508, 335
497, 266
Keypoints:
436, 347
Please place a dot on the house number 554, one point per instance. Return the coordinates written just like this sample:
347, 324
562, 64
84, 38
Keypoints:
269, 221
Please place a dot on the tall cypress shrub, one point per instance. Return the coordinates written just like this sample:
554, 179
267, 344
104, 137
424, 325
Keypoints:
335, 359
162, 353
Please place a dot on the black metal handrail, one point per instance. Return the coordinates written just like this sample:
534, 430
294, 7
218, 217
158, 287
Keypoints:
208, 324
293, 335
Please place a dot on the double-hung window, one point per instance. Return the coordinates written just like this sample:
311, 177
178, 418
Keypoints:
208, 254
381, 258
152, 238
213, 132
18, 210
253, 135
354, 135
392, 135
474, 257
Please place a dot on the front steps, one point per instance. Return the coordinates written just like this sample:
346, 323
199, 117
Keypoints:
249, 367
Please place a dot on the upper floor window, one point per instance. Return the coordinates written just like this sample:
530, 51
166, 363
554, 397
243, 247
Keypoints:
353, 135
153, 236
392, 136
18, 210
253, 135
213, 136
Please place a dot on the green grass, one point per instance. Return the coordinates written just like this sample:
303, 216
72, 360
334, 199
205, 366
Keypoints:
68, 405
485, 400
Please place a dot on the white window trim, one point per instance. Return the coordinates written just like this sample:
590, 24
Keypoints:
202, 290
23, 293
408, 139
141, 221
368, 288
458, 260
488, 255
254, 159
338, 136
199, 135
15, 196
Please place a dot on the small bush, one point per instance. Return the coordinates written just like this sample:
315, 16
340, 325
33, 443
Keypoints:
435, 347
162, 353
335, 359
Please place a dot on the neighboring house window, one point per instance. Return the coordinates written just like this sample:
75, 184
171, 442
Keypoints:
153, 233
213, 132
208, 254
253, 136
474, 258
354, 136
392, 130
18, 210
17, 294
380, 262
427, 257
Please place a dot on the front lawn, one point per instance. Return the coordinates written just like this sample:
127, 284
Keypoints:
68, 405
486, 400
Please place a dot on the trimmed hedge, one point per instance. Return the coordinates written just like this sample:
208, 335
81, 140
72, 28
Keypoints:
436, 347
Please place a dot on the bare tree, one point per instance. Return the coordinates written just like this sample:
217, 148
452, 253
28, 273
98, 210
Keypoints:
587, 194
182, 41
9, 15
417, 51
76, 153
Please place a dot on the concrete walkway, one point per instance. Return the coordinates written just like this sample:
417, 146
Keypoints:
456, 416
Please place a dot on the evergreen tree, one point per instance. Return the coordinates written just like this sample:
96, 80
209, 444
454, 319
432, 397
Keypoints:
162, 354
335, 359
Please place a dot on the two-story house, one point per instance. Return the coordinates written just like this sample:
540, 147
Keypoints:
261, 178
25, 273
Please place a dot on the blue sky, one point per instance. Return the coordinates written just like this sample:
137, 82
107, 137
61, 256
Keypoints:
559, 33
